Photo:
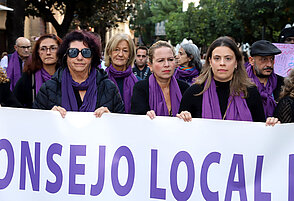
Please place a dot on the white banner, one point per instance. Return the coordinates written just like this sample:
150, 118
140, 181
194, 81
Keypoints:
125, 157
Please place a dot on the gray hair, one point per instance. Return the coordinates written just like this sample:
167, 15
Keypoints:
193, 52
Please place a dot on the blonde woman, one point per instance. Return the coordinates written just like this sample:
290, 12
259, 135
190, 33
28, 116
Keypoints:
161, 94
119, 58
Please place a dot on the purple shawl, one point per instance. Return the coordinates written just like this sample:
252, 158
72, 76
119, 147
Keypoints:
129, 82
68, 99
41, 76
13, 70
185, 74
237, 110
266, 92
156, 97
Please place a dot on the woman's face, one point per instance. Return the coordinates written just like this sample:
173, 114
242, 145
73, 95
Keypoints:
163, 63
78, 64
120, 55
223, 62
47, 51
182, 57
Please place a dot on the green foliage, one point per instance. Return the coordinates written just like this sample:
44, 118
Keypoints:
100, 14
244, 20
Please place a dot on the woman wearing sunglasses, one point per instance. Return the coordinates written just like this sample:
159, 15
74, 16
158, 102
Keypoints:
78, 85
37, 69
119, 59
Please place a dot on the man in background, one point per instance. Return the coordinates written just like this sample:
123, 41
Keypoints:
141, 69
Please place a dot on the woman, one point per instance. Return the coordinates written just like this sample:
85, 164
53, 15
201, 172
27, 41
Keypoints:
285, 108
119, 58
38, 69
189, 63
223, 89
78, 85
6, 96
160, 94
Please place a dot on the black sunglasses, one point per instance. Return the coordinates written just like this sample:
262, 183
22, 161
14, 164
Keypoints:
74, 52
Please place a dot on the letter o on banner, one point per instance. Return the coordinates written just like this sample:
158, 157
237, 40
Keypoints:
187, 159
119, 189
5, 144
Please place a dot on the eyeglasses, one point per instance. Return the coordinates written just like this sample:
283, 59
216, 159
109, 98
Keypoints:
51, 49
74, 52
24, 47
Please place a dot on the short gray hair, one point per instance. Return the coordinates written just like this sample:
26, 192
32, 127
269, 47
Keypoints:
193, 52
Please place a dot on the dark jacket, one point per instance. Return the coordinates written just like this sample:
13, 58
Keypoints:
140, 98
7, 99
108, 96
142, 74
24, 89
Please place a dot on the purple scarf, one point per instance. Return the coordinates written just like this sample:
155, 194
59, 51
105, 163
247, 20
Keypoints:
13, 70
237, 110
156, 97
41, 76
266, 92
129, 82
69, 101
185, 74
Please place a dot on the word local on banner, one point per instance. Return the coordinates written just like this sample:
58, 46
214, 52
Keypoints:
127, 157
284, 62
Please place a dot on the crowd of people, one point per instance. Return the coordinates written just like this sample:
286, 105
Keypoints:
66, 75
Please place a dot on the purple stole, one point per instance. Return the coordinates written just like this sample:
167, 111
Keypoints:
180, 73
129, 82
266, 92
68, 98
156, 97
237, 107
41, 76
13, 70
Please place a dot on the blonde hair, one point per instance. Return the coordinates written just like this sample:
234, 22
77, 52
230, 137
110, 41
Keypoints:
112, 44
3, 76
157, 45
240, 81
288, 88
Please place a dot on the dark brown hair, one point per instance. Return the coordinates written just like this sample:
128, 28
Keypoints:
34, 62
240, 81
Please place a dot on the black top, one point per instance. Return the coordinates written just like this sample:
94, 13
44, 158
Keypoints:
285, 110
193, 103
277, 90
24, 90
140, 98
7, 99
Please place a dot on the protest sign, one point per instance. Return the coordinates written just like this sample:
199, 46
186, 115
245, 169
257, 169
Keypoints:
284, 62
127, 157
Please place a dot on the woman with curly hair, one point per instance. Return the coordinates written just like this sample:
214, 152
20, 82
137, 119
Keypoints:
285, 108
78, 85
6, 97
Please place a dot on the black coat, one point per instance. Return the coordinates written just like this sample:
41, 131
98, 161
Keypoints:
108, 96
140, 98
24, 90
7, 98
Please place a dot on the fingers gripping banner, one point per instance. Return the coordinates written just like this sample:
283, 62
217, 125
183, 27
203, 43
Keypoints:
127, 157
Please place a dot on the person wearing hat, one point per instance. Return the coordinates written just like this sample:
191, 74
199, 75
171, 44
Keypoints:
287, 35
261, 71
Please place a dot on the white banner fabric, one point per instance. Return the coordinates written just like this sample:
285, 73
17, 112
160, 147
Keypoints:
126, 157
